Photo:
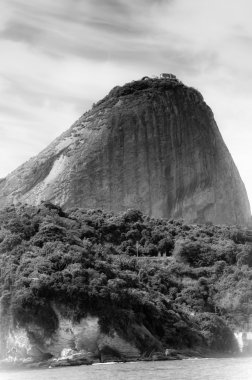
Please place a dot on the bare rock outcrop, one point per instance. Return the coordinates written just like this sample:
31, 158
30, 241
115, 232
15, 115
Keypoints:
72, 339
152, 145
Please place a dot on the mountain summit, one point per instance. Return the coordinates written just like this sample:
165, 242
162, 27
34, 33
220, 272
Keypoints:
153, 145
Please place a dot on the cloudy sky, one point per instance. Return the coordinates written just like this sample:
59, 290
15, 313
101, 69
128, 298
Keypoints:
60, 56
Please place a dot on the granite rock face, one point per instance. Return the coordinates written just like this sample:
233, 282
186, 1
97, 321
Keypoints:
74, 338
152, 145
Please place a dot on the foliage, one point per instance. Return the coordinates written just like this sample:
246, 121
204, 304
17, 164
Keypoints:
112, 266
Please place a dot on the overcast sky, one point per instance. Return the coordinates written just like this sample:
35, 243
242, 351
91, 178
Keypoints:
60, 56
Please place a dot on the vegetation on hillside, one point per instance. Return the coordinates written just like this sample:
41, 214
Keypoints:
153, 84
182, 282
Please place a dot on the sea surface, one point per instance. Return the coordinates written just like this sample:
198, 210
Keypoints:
191, 369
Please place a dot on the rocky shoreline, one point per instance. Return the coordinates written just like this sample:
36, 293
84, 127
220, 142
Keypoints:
88, 359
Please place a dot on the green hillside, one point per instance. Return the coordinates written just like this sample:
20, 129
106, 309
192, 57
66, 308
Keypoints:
189, 285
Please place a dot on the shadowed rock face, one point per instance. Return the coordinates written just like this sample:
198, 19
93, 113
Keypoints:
151, 145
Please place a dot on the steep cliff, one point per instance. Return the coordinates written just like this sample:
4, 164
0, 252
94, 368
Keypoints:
152, 145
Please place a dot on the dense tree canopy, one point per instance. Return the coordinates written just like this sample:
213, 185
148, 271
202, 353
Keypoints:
183, 282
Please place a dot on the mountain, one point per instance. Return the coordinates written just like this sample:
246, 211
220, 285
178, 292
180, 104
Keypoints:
152, 145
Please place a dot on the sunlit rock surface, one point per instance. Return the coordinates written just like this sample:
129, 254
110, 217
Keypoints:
71, 339
151, 145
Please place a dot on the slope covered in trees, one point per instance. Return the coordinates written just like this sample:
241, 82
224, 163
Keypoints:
189, 285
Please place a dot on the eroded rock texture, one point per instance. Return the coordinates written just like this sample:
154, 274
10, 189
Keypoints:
151, 145
71, 337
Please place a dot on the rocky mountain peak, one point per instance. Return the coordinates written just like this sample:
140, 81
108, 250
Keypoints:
153, 145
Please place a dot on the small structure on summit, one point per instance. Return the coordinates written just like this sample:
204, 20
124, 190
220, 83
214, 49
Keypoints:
168, 76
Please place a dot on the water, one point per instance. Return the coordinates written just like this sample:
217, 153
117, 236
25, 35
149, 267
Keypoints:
195, 369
